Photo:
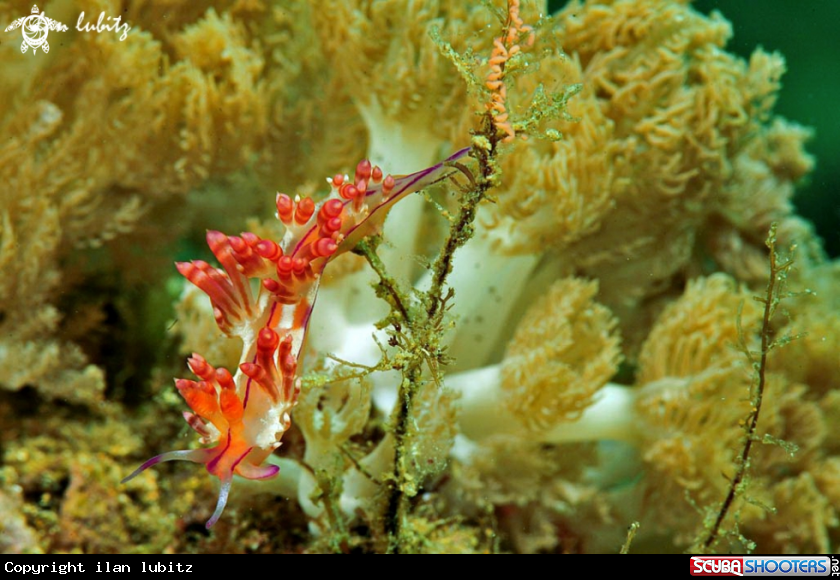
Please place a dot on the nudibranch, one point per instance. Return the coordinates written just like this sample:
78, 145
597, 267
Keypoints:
243, 416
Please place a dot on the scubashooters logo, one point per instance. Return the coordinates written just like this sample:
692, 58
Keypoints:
37, 26
764, 566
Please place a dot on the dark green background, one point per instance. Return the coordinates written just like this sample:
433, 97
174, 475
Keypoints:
807, 33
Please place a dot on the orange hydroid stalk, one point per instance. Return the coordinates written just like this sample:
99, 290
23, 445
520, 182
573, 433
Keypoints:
243, 416
504, 48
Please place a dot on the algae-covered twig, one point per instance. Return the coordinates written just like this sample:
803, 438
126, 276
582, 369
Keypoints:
418, 317
422, 331
773, 295
495, 129
631, 533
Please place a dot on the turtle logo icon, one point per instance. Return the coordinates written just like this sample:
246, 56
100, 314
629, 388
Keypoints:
35, 28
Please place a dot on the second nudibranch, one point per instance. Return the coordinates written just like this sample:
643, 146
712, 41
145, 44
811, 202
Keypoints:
243, 416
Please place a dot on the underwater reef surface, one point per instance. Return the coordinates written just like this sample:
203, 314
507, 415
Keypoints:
608, 311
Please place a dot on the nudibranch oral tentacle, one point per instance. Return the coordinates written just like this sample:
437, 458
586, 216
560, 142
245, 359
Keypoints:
243, 416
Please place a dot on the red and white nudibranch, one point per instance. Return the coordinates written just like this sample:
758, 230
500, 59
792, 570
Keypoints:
243, 416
